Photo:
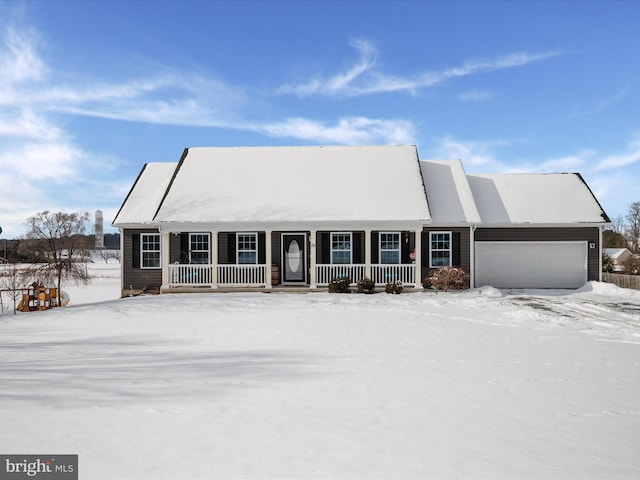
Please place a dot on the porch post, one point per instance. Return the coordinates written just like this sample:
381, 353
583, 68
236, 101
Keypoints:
165, 248
367, 253
418, 259
312, 259
268, 259
214, 259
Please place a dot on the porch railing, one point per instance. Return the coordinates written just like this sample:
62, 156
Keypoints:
190, 275
383, 274
202, 275
249, 275
324, 273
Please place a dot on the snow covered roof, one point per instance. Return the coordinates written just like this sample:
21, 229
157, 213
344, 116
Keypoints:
448, 192
615, 253
144, 197
296, 184
556, 198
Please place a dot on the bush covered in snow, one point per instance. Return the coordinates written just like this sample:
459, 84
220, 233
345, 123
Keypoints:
447, 278
394, 287
366, 285
340, 285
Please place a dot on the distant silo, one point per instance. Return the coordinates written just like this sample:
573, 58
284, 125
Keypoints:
99, 230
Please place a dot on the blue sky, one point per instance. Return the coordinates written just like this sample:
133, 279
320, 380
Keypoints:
90, 91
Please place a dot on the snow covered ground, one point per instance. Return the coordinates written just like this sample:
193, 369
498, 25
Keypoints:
479, 384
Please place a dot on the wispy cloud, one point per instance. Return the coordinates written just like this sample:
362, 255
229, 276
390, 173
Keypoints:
352, 130
475, 96
363, 78
600, 106
618, 160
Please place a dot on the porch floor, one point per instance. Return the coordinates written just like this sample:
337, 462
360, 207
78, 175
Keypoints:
274, 289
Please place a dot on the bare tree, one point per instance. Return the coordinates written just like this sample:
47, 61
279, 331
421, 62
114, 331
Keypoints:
57, 243
13, 280
633, 227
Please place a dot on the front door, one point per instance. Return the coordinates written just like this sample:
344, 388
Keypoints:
294, 258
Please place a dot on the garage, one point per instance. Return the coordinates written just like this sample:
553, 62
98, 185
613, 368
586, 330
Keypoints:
531, 264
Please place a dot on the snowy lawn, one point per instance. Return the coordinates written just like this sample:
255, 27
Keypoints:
480, 384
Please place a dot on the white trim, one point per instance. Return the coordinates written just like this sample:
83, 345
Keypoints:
399, 249
208, 235
331, 234
142, 267
435, 232
257, 262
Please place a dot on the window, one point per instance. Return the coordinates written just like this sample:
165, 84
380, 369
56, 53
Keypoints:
389, 247
341, 248
247, 246
199, 248
150, 250
440, 255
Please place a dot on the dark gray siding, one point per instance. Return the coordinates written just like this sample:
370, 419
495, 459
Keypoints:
135, 278
586, 234
462, 251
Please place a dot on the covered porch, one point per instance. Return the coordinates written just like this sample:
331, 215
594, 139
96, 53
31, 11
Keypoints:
288, 260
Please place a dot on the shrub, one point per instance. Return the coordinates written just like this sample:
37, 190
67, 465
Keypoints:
447, 278
340, 285
366, 285
394, 287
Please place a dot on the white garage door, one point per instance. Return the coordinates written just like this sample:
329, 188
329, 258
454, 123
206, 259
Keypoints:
531, 264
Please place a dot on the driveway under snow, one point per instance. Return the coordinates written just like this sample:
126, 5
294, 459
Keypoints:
480, 384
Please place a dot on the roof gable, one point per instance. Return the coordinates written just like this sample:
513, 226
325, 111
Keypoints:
141, 204
448, 192
305, 184
556, 198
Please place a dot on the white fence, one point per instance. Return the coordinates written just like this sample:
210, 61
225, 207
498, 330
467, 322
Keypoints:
240, 275
324, 273
190, 275
202, 275
383, 274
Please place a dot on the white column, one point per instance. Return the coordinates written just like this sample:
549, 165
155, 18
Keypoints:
312, 259
214, 259
367, 253
472, 256
418, 259
165, 248
268, 259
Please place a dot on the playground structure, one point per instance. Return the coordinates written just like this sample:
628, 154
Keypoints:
38, 297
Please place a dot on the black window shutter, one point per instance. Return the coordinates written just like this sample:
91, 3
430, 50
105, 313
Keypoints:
356, 238
375, 247
404, 248
325, 257
231, 248
426, 241
135, 250
184, 248
262, 248
455, 246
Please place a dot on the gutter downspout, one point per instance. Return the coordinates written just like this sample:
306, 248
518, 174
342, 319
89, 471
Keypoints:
600, 252
472, 248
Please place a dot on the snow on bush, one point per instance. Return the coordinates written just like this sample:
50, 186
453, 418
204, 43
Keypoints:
447, 278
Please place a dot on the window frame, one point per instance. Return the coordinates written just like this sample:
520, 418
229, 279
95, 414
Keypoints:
207, 236
332, 250
433, 250
145, 242
399, 249
239, 250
